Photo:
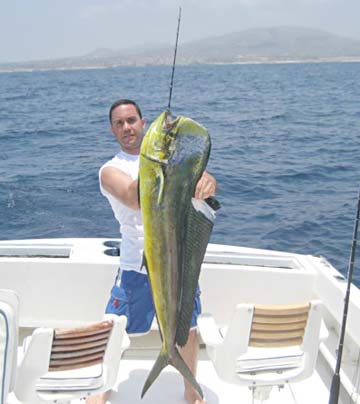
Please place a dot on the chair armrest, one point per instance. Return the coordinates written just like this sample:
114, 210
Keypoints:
324, 332
209, 331
125, 342
33, 364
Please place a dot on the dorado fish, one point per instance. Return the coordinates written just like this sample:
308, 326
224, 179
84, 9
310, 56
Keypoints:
177, 228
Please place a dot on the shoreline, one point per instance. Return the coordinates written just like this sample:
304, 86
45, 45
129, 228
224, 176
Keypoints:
23, 68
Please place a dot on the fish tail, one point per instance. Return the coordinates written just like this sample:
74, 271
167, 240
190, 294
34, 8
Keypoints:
178, 362
161, 362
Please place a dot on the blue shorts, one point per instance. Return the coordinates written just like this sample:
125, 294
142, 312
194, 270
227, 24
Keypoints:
131, 296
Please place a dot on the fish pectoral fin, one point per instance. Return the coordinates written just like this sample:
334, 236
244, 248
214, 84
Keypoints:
160, 182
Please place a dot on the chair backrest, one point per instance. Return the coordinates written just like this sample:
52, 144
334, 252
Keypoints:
271, 327
265, 345
79, 347
65, 364
278, 325
9, 303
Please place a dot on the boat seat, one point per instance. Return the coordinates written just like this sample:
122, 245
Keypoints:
9, 304
61, 365
265, 345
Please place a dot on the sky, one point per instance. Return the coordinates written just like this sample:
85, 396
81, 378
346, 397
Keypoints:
50, 29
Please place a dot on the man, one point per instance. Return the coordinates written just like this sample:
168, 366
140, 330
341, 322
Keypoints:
131, 293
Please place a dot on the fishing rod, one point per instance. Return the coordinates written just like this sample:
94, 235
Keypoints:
174, 61
335, 383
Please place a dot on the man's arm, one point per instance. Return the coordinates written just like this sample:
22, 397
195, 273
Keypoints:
124, 188
121, 186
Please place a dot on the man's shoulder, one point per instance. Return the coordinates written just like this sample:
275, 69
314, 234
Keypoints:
122, 162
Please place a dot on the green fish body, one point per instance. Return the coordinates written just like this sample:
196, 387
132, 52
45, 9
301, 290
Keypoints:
173, 157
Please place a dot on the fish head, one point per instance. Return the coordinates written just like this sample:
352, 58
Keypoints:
159, 141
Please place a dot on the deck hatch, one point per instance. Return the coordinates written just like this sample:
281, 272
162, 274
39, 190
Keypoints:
35, 251
255, 260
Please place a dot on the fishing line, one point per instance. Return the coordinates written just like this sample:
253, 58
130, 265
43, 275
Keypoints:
335, 383
174, 61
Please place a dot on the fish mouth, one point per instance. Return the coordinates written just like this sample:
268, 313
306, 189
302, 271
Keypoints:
169, 121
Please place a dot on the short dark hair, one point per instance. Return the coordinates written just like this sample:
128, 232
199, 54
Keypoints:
124, 101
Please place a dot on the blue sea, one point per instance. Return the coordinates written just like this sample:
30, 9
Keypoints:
285, 150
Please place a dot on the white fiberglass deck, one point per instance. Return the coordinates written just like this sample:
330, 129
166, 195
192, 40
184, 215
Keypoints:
168, 388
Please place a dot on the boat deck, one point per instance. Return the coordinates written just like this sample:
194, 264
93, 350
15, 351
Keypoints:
168, 388
137, 362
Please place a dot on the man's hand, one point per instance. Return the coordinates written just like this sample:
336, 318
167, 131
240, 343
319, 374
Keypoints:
205, 187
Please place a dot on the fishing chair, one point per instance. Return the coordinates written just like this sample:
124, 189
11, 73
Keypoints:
265, 345
9, 304
64, 364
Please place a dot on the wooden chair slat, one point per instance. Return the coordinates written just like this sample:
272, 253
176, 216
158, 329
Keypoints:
92, 337
279, 319
74, 347
285, 334
91, 329
275, 343
72, 367
76, 353
76, 361
278, 326
281, 310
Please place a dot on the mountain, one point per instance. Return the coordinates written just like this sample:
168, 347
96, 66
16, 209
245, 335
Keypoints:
276, 44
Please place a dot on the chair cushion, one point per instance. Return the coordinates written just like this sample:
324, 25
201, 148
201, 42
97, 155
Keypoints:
257, 360
82, 379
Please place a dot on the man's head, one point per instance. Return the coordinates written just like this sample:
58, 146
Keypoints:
127, 125
124, 101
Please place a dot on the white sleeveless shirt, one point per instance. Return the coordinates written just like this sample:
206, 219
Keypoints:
131, 227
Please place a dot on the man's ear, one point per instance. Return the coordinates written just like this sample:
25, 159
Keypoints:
111, 130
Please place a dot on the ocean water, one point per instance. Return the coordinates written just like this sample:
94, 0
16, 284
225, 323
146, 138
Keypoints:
285, 150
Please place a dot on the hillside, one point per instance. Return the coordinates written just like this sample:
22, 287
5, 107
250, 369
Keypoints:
277, 44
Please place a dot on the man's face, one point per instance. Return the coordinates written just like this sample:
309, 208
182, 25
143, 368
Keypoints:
128, 128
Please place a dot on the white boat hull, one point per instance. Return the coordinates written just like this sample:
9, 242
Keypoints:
66, 282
